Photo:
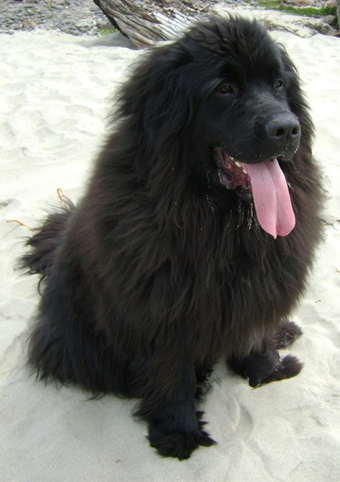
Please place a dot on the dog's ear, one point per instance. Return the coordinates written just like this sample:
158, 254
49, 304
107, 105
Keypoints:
157, 105
158, 95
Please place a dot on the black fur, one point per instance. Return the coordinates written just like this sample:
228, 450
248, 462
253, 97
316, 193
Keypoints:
161, 270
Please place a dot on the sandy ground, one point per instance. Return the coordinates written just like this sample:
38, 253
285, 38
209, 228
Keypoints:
54, 100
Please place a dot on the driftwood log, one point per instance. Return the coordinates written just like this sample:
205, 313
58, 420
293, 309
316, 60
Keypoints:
146, 22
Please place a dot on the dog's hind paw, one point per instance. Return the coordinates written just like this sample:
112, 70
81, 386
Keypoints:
289, 367
261, 368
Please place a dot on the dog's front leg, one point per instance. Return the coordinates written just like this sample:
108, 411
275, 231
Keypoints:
175, 428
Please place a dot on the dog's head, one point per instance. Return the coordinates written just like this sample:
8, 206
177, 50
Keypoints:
223, 103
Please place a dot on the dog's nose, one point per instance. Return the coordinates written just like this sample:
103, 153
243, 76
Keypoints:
283, 128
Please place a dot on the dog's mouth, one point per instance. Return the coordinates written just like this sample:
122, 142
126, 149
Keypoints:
233, 174
265, 183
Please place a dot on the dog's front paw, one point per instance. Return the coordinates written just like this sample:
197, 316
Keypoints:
172, 442
287, 334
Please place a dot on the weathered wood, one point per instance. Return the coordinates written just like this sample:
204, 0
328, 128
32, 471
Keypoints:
148, 21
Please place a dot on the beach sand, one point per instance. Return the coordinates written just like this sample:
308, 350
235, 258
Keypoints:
55, 96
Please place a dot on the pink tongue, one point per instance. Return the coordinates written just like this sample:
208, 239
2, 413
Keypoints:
271, 197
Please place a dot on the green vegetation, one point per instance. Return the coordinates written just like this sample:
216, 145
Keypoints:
106, 31
305, 11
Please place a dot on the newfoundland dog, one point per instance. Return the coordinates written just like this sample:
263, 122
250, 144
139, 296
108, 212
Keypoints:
195, 235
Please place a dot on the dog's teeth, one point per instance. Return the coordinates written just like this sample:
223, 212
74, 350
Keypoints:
244, 171
238, 164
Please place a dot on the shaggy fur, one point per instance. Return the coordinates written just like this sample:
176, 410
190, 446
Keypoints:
163, 268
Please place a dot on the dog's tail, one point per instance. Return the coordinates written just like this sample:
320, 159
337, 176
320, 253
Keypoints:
46, 241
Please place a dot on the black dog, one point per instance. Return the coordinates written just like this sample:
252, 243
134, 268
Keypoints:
195, 237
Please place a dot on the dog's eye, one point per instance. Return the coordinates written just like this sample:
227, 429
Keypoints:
278, 84
225, 89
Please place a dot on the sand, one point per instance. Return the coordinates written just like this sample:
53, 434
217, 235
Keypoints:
54, 98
